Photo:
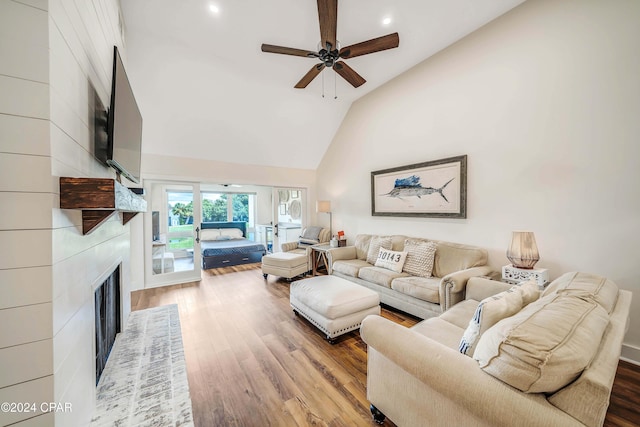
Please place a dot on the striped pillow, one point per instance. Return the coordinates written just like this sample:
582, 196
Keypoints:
420, 256
489, 312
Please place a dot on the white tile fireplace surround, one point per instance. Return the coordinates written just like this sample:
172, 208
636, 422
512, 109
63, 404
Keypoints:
145, 380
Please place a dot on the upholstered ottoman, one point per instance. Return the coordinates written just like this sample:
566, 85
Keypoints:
285, 264
334, 305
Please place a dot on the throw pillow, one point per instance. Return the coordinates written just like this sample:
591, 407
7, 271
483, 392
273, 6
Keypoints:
312, 233
489, 312
530, 292
420, 256
376, 243
391, 260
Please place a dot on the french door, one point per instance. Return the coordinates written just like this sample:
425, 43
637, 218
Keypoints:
172, 233
289, 214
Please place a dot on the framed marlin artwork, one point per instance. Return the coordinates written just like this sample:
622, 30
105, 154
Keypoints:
436, 189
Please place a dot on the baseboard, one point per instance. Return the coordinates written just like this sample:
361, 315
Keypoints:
630, 354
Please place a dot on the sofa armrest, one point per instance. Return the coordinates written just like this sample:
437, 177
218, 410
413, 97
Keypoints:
452, 286
343, 252
479, 288
288, 246
450, 379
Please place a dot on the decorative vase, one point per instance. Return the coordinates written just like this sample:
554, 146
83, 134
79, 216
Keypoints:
523, 252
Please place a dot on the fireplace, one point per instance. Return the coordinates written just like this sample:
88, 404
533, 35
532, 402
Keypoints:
107, 318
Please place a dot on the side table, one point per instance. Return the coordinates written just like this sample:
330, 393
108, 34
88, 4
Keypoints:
319, 257
515, 275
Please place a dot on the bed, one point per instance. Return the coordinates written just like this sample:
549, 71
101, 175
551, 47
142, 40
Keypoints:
224, 244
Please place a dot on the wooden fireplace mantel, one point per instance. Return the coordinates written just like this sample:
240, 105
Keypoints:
99, 198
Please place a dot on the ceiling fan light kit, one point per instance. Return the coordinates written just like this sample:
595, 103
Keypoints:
329, 51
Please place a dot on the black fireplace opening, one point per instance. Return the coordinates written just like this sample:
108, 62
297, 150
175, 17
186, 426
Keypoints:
107, 318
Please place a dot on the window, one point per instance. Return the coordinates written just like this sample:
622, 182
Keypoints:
180, 235
229, 207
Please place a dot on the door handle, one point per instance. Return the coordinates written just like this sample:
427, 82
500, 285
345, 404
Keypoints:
275, 230
197, 234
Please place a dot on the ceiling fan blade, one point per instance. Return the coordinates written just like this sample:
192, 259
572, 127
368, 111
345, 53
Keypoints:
269, 48
349, 74
389, 41
312, 74
328, 17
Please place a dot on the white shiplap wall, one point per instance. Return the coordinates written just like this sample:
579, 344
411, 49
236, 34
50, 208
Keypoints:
52, 51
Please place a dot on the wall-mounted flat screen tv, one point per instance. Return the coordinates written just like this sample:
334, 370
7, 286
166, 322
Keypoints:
124, 125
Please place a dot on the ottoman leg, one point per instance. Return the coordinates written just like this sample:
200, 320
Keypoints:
332, 341
378, 416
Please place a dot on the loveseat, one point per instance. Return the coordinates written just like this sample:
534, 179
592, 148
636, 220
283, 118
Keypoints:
552, 363
425, 290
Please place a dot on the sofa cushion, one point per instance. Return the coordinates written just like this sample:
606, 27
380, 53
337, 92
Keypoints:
452, 257
420, 256
362, 245
391, 260
424, 288
376, 243
349, 267
546, 345
488, 312
602, 290
440, 330
379, 276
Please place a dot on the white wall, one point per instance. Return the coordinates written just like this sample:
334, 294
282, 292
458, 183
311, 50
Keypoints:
48, 270
26, 201
545, 102
81, 40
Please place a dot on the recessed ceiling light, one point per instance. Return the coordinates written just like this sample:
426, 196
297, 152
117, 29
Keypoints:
386, 21
213, 8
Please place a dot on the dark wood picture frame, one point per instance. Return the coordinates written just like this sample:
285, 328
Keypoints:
436, 189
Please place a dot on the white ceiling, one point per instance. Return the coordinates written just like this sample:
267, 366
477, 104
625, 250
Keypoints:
206, 90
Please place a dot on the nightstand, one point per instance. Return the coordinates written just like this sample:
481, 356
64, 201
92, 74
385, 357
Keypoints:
515, 275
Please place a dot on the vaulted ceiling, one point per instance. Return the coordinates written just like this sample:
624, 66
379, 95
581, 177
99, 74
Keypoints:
206, 90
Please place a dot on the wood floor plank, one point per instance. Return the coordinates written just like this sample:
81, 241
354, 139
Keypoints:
252, 362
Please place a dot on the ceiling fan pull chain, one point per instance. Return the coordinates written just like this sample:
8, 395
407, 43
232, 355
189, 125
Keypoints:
335, 86
323, 85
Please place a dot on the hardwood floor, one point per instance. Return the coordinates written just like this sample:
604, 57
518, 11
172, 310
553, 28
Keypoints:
251, 362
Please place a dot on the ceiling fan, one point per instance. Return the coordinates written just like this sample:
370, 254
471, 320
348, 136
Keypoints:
329, 51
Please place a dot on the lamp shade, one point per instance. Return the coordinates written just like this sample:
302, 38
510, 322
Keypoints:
523, 252
323, 206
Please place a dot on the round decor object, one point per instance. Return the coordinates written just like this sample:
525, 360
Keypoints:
283, 195
295, 209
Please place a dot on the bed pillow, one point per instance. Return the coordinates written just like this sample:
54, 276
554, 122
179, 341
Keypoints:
233, 233
391, 260
376, 243
489, 312
210, 234
420, 256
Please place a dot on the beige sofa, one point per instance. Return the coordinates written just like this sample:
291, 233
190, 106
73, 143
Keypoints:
423, 297
417, 376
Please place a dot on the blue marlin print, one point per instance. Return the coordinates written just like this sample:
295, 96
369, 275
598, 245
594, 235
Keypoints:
410, 186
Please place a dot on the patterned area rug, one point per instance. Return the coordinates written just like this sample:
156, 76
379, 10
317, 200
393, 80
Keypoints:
145, 380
